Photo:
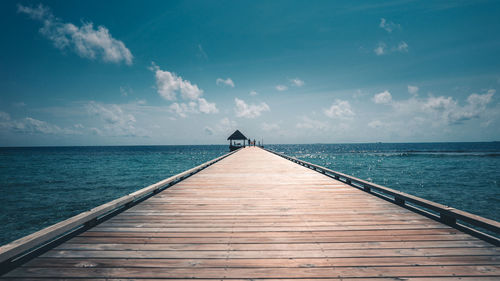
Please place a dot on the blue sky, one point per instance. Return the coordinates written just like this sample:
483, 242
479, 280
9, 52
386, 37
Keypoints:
190, 72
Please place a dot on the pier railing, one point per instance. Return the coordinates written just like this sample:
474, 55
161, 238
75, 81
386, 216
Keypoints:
483, 228
19, 250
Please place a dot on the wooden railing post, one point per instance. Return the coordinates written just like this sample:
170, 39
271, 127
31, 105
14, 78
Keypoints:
446, 218
398, 200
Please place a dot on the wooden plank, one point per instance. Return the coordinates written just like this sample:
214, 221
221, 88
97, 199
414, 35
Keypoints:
421, 252
265, 240
270, 246
139, 228
257, 216
244, 273
259, 234
262, 263
476, 278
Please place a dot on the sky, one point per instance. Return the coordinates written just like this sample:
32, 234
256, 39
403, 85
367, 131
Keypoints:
191, 72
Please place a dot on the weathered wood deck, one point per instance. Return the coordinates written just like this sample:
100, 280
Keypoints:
255, 215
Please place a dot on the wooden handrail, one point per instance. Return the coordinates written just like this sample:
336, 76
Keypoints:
445, 214
24, 245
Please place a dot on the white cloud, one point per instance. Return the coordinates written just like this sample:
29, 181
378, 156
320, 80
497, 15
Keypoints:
253, 93
29, 125
168, 84
117, 122
481, 100
340, 109
413, 90
111, 114
249, 110
200, 105
281, 88
452, 113
32, 125
297, 82
388, 26
308, 123
225, 82
268, 127
382, 98
182, 109
207, 107
86, 41
38, 13
402, 47
439, 103
443, 110
380, 49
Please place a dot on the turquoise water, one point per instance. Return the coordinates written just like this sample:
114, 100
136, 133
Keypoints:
42, 186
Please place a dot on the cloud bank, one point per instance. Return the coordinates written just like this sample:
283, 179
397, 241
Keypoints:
169, 86
441, 110
29, 125
340, 109
115, 121
249, 110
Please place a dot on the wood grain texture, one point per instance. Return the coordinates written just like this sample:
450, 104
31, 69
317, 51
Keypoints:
255, 215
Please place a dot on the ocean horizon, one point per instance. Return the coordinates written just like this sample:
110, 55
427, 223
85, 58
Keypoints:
225, 144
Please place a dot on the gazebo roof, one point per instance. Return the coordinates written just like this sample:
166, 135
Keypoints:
237, 135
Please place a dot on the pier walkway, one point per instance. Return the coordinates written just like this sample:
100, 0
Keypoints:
255, 215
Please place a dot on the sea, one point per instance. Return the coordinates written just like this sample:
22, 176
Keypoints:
40, 186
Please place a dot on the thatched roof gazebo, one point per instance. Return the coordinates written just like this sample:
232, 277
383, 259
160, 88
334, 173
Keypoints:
236, 140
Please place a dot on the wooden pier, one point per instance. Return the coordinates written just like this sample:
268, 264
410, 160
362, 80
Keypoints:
255, 215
